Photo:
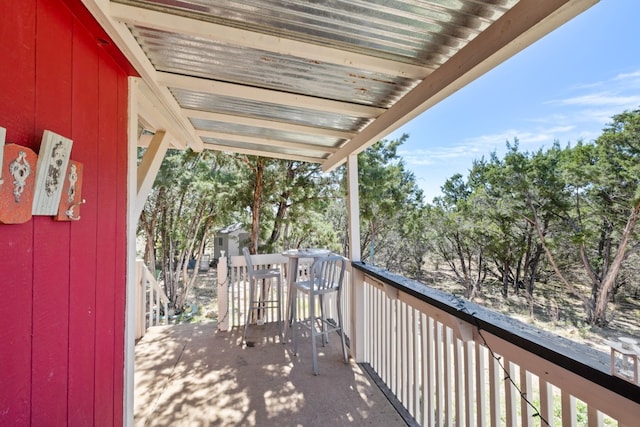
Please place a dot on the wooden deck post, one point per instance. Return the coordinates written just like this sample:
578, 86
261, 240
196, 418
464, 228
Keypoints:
356, 339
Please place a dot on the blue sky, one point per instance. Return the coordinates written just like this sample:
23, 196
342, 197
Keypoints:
564, 87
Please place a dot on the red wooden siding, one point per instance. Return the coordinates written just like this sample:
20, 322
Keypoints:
63, 283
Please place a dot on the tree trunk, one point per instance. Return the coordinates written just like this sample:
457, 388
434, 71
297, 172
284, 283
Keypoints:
279, 219
600, 304
516, 278
505, 279
149, 226
255, 207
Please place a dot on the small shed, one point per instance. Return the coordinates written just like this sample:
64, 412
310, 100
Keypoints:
230, 239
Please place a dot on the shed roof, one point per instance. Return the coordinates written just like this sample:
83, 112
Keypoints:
232, 228
311, 80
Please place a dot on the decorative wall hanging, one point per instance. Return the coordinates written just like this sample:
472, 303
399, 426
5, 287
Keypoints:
16, 192
53, 160
71, 197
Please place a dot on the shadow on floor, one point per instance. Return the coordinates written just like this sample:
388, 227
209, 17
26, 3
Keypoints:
193, 375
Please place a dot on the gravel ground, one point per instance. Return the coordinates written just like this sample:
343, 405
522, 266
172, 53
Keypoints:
205, 296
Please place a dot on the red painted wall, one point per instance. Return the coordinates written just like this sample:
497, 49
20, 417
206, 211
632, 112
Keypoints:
62, 284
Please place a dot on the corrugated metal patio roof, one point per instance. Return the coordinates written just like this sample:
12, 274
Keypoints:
311, 80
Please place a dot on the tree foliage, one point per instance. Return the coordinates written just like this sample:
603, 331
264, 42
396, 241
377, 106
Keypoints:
390, 203
568, 211
286, 201
186, 204
563, 213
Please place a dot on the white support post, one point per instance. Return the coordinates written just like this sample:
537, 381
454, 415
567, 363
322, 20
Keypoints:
357, 277
149, 167
131, 285
354, 207
140, 299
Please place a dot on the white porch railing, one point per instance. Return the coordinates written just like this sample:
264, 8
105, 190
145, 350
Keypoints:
151, 301
233, 288
452, 363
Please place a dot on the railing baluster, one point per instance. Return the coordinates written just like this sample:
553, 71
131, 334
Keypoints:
511, 398
417, 358
380, 320
458, 374
595, 418
150, 300
394, 347
386, 339
448, 383
372, 313
469, 384
431, 362
424, 389
439, 406
568, 410
156, 304
526, 387
403, 352
546, 402
140, 298
394, 344
481, 383
149, 308
495, 379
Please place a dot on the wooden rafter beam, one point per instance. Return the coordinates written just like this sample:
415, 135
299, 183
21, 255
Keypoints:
198, 84
239, 150
265, 124
268, 43
264, 141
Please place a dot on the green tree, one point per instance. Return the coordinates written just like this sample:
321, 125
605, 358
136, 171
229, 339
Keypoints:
187, 201
455, 235
301, 198
285, 200
503, 191
603, 178
388, 194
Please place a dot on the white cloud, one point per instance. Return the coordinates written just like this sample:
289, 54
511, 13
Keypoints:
599, 100
632, 75
593, 107
621, 91
476, 147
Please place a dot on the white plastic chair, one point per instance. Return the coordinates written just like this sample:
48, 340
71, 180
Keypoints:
259, 296
326, 276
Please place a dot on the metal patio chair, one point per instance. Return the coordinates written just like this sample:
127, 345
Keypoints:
260, 298
326, 276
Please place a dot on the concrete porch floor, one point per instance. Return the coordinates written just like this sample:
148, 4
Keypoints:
193, 375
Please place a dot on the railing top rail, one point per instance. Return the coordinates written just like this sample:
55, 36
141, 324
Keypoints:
575, 357
263, 259
152, 280
258, 259
163, 297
